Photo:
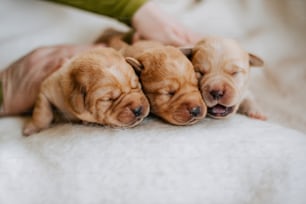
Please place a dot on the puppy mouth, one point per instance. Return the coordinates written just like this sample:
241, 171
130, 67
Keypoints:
220, 110
184, 121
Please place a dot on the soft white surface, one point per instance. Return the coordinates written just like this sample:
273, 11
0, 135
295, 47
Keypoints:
235, 161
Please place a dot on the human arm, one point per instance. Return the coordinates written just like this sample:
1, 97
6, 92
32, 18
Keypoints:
122, 10
149, 21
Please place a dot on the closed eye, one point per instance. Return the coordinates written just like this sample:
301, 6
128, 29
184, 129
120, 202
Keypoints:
109, 99
165, 93
105, 100
171, 93
235, 73
111, 96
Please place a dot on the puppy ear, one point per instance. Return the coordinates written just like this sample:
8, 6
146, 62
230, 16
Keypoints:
138, 67
77, 99
79, 82
255, 60
187, 51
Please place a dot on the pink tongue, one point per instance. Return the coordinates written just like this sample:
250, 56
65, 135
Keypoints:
218, 109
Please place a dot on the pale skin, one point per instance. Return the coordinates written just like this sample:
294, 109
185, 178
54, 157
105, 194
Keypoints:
152, 23
21, 80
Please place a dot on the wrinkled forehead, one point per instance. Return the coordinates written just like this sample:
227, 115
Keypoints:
177, 67
226, 51
121, 74
169, 62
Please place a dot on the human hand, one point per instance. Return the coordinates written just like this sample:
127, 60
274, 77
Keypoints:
151, 23
21, 80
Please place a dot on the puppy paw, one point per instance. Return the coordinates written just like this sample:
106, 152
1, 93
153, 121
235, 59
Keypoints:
30, 129
256, 115
249, 108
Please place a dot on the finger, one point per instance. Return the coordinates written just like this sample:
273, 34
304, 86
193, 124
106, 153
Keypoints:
175, 40
68, 51
60, 62
194, 37
136, 37
186, 35
76, 49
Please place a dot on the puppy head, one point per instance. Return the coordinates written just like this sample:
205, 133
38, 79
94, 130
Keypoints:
169, 82
102, 88
222, 68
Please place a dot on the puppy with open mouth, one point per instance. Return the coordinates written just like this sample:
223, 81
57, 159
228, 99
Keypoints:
97, 86
222, 68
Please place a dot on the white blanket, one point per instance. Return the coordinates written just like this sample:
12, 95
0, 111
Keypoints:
234, 161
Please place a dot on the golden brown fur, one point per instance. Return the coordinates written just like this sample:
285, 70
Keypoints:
222, 68
168, 80
96, 86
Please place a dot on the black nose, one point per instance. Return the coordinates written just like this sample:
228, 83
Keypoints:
137, 111
216, 94
195, 111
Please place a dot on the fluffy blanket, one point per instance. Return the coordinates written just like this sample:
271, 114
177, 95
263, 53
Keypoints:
234, 161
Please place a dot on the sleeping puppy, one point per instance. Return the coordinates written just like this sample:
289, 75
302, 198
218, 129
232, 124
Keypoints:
168, 80
222, 68
97, 86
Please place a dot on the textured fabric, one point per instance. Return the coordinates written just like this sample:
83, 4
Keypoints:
122, 10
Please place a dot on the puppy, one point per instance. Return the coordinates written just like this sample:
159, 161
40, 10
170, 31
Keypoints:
168, 80
222, 68
97, 86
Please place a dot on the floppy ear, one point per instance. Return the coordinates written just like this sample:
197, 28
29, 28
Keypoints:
78, 89
255, 60
77, 99
187, 51
138, 67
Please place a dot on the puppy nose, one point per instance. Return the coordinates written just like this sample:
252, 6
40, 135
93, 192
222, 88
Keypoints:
195, 111
137, 111
216, 94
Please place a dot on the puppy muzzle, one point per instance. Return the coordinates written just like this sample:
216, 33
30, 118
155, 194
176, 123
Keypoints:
189, 109
131, 109
220, 96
